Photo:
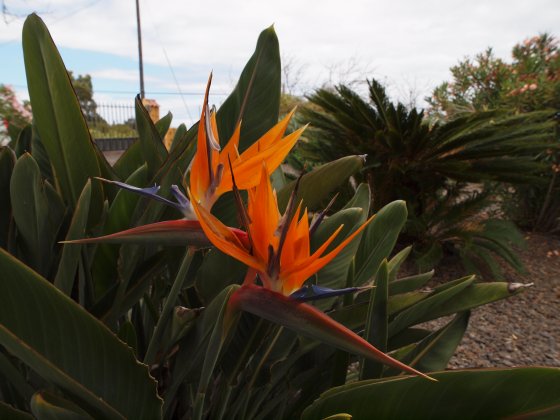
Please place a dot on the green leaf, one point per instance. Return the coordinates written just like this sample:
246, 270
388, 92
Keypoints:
395, 263
426, 308
333, 275
7, 163
48, 406
217, 339
434, 352
315, 186
180, 133
192, 348
163, 124
57, 115
471, 394
74, 351
129, 161
361, 199
15, 377
38, 212
256, 97
411, 283
477, 294
355, 212
9, 412
23, 143
41, 156
378, 240
399, 302
217, 271
104, 267
151, 143
377, 322
127, 334
68, 264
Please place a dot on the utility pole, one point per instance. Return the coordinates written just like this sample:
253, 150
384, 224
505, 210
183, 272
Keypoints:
142, 93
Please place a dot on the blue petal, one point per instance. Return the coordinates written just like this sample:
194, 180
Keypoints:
147, 192
184, 202
314, 292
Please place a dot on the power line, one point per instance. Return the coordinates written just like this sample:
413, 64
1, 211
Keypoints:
169, 65
132, 92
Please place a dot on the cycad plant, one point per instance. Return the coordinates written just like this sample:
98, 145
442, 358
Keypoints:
220, 297
435, 169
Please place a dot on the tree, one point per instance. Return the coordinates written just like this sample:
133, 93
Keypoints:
84, 91
13, 113
530, 82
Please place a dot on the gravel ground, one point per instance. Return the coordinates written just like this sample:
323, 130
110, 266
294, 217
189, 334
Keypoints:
524, 329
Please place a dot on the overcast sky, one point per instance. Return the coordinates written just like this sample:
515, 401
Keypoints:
408, 44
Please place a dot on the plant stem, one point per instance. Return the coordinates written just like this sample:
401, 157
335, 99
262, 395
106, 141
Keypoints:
168, 305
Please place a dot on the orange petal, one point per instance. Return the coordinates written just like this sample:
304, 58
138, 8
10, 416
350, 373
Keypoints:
229, 152
298, 274
224, 239
264, 215
269, 138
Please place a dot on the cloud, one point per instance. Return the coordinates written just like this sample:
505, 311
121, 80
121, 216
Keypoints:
400, 41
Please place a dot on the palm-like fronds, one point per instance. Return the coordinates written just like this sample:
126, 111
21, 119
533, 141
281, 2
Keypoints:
411, 160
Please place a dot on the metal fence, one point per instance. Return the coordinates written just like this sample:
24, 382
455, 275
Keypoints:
112, 125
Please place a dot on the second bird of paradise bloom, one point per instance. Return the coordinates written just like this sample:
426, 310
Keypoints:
278, 254
209, 177
210, 174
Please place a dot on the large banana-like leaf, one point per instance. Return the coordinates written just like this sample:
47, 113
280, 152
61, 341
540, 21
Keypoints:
468, 394
68, 264
434, 351
315, 186
67, 346
104, 267
377, 322
151, 142
58, 116
476, 295
378, 240
256, 97
38, 212
7, 162
334, 274
216, 272
426, 307
193, 348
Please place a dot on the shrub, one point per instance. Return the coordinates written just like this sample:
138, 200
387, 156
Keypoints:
432, 167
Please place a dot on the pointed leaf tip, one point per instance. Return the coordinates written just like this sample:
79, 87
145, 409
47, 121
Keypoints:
310, 322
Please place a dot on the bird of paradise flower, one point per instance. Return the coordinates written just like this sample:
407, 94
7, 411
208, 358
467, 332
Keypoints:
279, 260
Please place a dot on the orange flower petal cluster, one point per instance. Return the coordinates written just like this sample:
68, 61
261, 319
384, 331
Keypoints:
210, 174
279, 247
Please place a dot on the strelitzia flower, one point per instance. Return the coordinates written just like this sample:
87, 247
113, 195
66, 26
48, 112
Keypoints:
277, 252
209, 177
210, 174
